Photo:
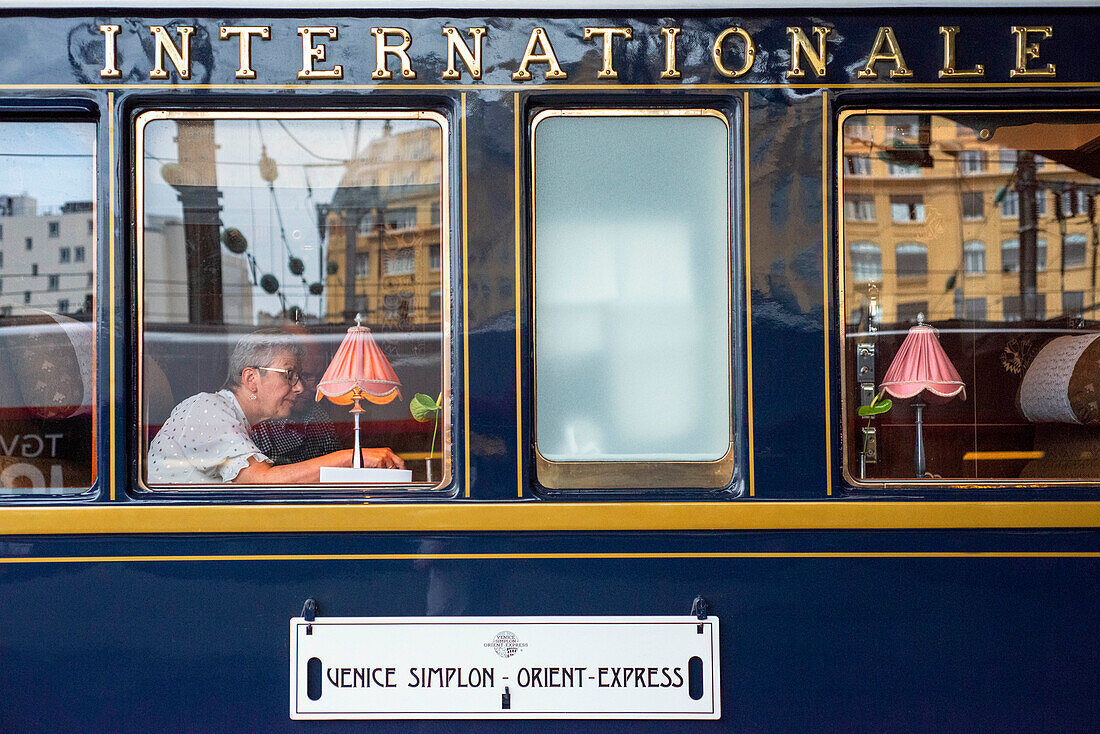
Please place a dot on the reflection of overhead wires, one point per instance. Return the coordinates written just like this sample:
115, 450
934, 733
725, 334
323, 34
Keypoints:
248, 164
269, 176
45, 155
302, 145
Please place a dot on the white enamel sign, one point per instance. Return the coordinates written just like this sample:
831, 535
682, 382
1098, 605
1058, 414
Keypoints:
500, 668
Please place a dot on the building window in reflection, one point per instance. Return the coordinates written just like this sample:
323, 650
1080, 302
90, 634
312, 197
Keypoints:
1010, 255
1075, 250
971, 309
1073, 303
912, 260
974, 258
857, 165
972, 162
973, 205
866, 262
910, 312
401, 262
907, 208
859, 208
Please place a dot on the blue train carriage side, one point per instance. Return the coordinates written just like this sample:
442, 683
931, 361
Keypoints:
619, 322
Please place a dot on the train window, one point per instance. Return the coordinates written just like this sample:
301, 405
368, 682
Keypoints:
632, 298
271, 246
47, 319
965, 361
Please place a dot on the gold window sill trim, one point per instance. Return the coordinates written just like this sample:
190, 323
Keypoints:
544, 516
635, 474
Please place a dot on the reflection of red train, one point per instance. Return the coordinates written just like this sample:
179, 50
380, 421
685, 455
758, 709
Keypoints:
46, 399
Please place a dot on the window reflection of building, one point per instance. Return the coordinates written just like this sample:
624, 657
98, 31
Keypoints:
61, 277
960, 204
47, 308
166, 290
384, 217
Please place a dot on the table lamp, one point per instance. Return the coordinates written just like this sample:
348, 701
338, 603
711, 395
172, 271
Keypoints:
359, 371
921, 368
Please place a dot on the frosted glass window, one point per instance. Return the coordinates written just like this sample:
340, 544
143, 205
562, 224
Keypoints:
632, 287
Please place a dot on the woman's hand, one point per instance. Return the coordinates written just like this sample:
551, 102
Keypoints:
381, 458
309, 471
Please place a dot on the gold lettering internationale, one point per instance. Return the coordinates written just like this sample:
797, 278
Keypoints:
180, 57
110, 54
670, 72
949, 71
1026, 51
312, 53
245, 34
608, 36
545, 56
457, 46
800, 44
382, 49
886, 48
750, 52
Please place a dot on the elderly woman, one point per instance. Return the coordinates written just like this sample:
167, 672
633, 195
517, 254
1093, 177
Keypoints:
206, 439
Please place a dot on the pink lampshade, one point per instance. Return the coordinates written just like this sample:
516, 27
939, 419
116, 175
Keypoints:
922, 366
359, 371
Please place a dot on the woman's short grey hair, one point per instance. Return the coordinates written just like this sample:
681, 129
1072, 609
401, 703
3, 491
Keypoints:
259, 349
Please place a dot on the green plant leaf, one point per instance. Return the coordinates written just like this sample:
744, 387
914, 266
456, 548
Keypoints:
422, 407
875, 408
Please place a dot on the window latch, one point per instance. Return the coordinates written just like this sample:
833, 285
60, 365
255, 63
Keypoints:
309, 614
699, 611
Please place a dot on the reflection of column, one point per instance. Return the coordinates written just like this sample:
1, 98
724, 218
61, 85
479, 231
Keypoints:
379, 291
1027, 186
195, 180
201, 225
350, 221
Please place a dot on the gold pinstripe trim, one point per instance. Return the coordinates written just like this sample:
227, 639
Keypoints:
112, 364
517, 173
548, 556
751, 464
826, 288
465, 313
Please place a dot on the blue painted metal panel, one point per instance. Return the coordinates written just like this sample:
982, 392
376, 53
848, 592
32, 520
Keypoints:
823, 631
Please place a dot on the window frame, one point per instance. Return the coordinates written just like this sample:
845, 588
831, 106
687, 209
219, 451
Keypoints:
442, 488
644, 479
843, 443
95, 488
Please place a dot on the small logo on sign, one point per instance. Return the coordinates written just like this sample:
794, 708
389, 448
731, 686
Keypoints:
505, 644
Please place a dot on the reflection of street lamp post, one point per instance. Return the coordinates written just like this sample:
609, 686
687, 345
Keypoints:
195, 181
350, 221
1027, 186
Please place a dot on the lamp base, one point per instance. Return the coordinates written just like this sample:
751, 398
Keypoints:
348, 475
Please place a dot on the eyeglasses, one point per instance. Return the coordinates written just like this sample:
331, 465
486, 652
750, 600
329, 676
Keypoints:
292, 376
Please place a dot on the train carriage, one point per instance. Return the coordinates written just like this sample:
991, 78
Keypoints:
547, 368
